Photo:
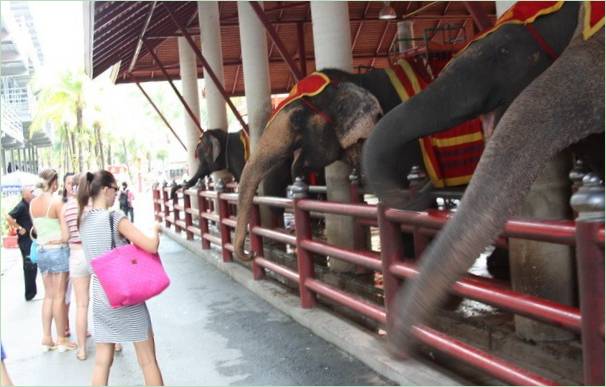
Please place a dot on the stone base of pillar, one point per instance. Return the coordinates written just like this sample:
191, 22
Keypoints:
545, 269
340, 229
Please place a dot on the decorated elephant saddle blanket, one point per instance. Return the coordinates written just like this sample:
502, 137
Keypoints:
450, 157
526, 12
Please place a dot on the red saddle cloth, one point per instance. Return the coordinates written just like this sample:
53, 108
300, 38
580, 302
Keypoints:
593, 19
450, 157
309, 86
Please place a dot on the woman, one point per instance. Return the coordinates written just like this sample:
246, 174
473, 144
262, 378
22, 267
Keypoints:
68, 179
79, 270
126, 324
53, 260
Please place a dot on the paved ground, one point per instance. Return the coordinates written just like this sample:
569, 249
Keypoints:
209, 331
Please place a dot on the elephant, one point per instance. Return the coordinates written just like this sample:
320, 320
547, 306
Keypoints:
562, 106
333, 124
216, 151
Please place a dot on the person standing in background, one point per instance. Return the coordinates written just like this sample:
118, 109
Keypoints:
79, 269
126, 202
20, 219
53, 260
68, 179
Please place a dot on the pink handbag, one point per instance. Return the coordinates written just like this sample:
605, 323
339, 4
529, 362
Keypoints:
129, 275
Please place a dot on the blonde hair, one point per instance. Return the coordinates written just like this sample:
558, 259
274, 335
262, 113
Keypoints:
48, 176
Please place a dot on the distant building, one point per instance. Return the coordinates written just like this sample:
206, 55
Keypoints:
21, 58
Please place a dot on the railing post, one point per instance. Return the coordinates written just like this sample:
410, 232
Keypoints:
305, 263
588, 202
392, 249
165, 205
188, 216
223, 207
416, 178
157, 205
256, 242
175, 200
202, 208
359, 233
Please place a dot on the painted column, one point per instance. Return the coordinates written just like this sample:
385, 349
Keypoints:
189, 89
210, 39
255, 66
332, 48
503, 6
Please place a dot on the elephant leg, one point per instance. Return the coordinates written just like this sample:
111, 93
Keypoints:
562, 106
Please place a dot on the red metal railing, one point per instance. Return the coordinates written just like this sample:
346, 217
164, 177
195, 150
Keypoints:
587, 237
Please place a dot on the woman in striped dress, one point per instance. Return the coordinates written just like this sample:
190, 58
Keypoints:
125, 324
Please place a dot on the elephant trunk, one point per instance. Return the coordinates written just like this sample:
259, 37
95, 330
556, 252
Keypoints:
399, 130
274, 146
558, 109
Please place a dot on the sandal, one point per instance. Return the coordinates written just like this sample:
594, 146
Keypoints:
118, 347
68, 346
81, 356
48, 347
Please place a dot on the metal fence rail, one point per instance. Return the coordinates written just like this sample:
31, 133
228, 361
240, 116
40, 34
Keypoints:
586, 236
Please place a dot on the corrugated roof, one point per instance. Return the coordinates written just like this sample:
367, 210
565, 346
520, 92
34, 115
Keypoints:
119, 25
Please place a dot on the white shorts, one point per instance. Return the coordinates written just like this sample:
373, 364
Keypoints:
78, 265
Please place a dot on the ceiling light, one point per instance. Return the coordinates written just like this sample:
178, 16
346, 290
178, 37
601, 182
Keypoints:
387, 12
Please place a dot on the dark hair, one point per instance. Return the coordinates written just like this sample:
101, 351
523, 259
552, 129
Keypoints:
124, 185
90, 186
64, 196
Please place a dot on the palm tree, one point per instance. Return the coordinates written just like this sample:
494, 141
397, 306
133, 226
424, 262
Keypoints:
61, 102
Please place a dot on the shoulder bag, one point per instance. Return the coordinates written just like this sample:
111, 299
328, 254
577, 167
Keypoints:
128, 274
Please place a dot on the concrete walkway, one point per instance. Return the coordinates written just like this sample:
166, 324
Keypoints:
209, 331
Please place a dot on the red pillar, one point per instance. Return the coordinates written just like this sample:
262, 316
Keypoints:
305, 263
588, 201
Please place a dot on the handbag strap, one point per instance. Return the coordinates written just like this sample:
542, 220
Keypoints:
111, 228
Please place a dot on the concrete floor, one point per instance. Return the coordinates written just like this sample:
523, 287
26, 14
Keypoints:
209, 331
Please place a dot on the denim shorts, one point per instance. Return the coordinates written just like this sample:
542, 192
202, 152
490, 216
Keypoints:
53, 260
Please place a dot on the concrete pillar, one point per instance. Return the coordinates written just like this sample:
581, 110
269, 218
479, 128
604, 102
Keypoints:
189, 90
332, 48
545, 269
503, 6
255, 66
210, 39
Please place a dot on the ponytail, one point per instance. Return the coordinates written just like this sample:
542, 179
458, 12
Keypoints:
90, 186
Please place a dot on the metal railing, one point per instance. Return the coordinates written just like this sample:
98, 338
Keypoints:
586, 234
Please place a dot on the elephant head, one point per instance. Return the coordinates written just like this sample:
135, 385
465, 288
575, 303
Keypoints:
316, 130
210, 152
562, 106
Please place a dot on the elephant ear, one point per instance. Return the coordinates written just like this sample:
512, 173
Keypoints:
357, 111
